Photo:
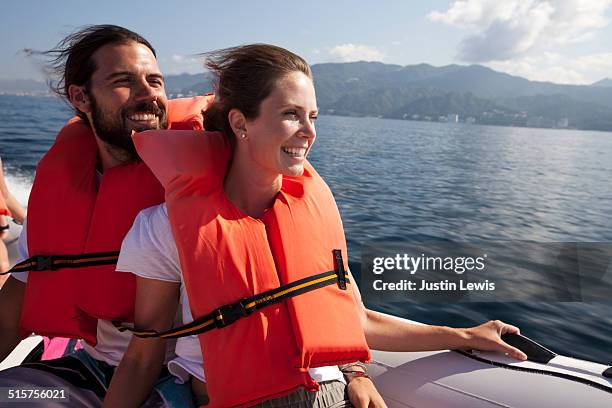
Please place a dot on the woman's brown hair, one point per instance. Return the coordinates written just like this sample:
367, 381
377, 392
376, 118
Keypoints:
244, 77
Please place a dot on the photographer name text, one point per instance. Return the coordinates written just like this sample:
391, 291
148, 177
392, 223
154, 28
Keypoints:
439, 286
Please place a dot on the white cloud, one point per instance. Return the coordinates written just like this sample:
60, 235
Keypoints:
555, 67
179, 64
503, 30
600, 62
473, 13
185, 59
355, 52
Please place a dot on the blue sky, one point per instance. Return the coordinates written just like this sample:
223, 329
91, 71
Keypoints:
565, 41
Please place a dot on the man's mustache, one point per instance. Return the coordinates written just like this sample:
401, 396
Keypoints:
147, 108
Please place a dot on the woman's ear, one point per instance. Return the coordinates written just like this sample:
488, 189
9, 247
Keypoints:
79, 98
237, 122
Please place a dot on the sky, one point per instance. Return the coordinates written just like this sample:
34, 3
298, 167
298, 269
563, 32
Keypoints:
563, 41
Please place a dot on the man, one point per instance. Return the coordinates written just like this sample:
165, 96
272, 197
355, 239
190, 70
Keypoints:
87, 191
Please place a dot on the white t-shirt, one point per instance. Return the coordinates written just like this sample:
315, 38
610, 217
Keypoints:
111, 343
149, 251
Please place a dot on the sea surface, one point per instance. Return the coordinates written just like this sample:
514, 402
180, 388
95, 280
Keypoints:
411, 181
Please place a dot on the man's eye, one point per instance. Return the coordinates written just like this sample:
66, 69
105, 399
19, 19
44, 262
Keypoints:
121, 81
314, 117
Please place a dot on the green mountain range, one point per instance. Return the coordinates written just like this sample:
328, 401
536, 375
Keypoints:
473, 94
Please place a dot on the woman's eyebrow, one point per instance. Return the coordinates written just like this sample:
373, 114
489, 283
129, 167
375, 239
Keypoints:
296, 106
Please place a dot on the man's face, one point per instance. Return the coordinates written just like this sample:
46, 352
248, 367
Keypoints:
126, 93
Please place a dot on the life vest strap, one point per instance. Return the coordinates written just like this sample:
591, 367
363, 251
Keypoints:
230, 313
40, 263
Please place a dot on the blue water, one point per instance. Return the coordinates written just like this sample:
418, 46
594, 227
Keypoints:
408, 181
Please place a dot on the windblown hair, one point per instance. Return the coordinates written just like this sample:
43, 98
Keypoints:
70, 62
243, 77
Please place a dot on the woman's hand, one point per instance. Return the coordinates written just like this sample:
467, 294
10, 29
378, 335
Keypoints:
363, 394
487, 337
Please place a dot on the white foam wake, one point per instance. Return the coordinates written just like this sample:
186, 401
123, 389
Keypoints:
19, 186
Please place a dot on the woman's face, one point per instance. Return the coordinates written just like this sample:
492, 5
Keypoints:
281, 136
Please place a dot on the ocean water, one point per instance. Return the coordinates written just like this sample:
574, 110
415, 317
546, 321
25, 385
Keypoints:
411, 181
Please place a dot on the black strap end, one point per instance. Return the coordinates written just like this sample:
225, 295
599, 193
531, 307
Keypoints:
339, 268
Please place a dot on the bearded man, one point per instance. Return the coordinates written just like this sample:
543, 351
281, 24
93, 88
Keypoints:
87, 191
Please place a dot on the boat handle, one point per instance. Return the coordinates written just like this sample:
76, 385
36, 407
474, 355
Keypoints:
535, 352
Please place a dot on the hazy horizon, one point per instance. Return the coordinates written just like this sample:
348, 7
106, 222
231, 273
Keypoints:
561, 41
43, 80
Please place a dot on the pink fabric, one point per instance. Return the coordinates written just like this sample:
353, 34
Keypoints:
55, 347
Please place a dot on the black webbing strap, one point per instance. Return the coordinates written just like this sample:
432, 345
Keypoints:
53, 262
228, 314
567, 376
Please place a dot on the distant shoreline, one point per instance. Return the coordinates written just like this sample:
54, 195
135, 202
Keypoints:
49, 94
27, 93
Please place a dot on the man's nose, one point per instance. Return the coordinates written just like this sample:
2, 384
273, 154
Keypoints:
146, 91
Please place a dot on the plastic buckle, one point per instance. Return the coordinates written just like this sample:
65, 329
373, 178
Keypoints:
228, 314
339, 268
44, 262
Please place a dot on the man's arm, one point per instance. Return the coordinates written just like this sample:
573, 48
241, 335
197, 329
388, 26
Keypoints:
11, 299
156, 303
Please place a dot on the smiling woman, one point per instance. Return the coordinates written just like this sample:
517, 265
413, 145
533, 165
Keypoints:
284, 131
259, 258
262, 208
272, 145
271, 118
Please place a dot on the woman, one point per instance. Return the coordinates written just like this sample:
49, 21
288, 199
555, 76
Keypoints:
9, 206
261, 193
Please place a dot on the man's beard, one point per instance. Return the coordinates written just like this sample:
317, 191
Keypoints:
117, 134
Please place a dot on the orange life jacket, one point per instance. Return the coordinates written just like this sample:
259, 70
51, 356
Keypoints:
227, 256
70, 212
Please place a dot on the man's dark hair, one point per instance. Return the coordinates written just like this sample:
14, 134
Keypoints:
71, 61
